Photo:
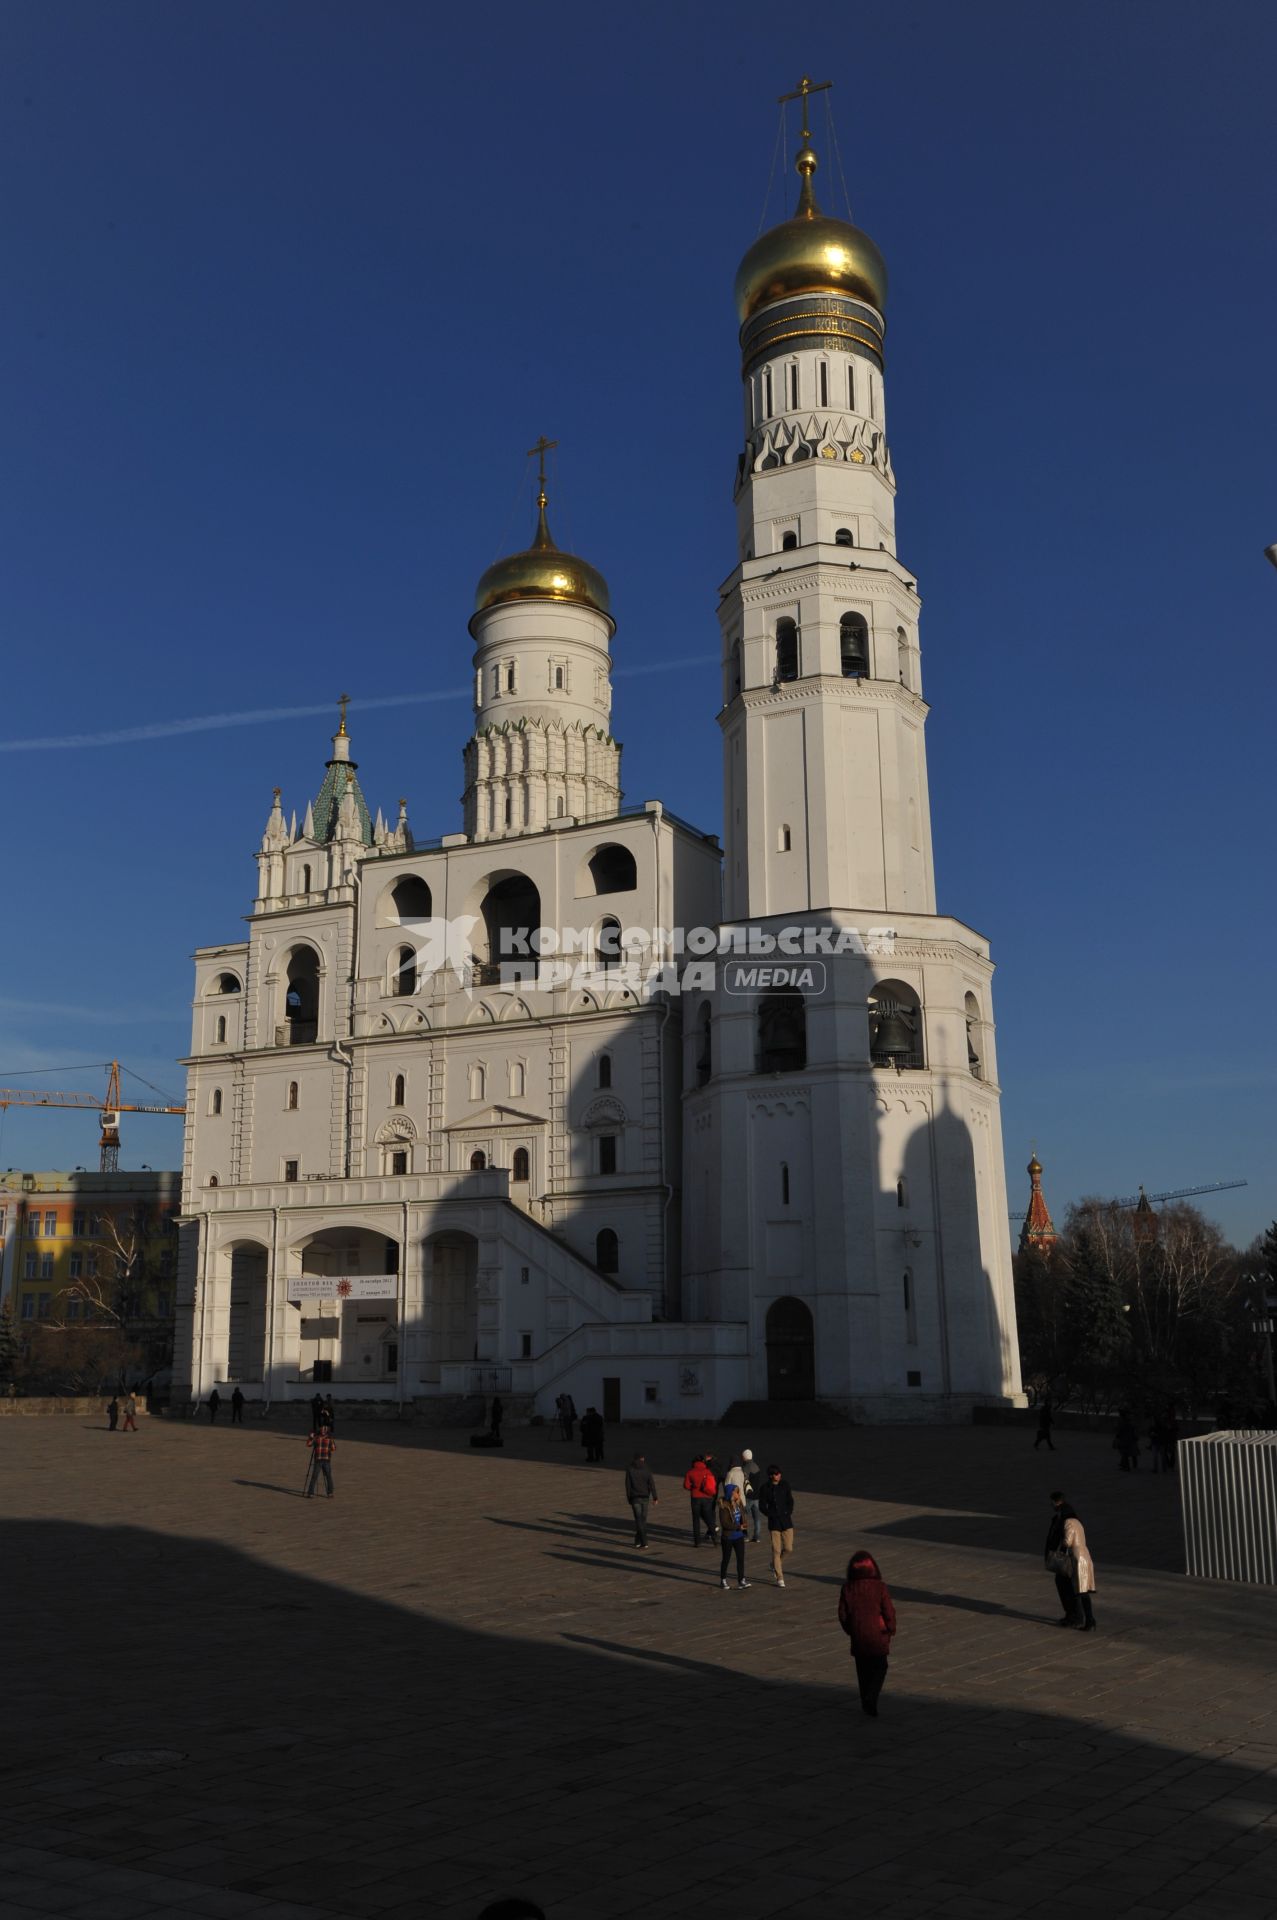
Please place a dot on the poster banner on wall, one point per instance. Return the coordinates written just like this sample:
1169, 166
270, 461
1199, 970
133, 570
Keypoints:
344, 1286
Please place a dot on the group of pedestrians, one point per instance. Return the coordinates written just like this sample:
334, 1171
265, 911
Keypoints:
130, 1413
214, 1402
727, 1508
1163, 1438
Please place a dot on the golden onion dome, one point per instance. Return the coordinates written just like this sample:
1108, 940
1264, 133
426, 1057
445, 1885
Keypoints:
811, 253
543, 572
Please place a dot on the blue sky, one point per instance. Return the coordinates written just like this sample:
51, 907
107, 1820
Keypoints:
291, 287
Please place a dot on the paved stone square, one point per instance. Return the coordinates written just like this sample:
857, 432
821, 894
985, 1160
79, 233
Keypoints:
458, 1679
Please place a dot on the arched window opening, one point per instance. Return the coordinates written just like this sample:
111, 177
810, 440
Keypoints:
478, 1082
410, 899
902, 657
213, 1180
844, 537
704, 1046
612, 869
306, 877
301, 996
734, 679
519, 1167
217, 1101
518, 1079
784, 1184
220, 1033
560, 808
227, 983
398, 1091
605, 1069
512, 920
784, 840
607, 1251
558, 679
609, 943
972, 1011
509, 810
292, 1096
782, 1032
895, 1026
853, 643
788, 541
902, 1193
509, 677
478, 1161
786, 650
405, 980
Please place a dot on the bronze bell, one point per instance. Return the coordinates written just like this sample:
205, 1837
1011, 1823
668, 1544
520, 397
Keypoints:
893, 1037
973, 1058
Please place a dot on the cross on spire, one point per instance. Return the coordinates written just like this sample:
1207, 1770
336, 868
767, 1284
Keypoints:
542, 447
343, 701
801, 92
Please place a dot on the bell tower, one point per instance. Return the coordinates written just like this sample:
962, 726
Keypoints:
825, 778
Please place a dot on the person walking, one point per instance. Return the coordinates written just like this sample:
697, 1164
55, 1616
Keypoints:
700, 1486
1057, 1561
237, 1408
317, 1408
592, 1435
112, 1414
1082, 1577
868, 1619
214, 1402
495, 1418
640, 1490
735, 1475
731, 1528
1046, 1420
1126, 1442
753, 1488
777, 1503
130, 1414
322, 1448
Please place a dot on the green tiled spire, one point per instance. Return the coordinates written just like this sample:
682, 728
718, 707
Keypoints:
329, 798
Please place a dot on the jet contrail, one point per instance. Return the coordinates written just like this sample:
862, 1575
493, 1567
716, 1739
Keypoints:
262, 716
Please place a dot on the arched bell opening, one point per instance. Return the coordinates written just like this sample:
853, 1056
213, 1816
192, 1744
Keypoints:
895, 1026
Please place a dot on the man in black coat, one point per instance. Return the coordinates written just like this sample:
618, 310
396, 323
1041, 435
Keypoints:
1055, 1544
777, 1503
640, 1488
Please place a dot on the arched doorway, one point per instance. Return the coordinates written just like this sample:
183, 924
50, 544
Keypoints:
791, 1351
451, 1301
246, 1330
344, 1329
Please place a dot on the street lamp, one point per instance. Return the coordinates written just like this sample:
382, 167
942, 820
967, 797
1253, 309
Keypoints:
1264, 1325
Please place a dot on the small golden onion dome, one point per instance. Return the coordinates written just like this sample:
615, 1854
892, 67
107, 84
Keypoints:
1034, 1166
810, 254
542, 572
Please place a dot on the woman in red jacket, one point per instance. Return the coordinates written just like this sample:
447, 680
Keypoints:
867, 1617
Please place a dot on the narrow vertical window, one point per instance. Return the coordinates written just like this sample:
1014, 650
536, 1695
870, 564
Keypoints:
217, 1100
292, 1096
786, 650
607, 1153
824, 383
784, 1184
767, 392
902, 1194
605, 1069
786, 840
509, 677
221, 1028
400, 1089
791, 377
306, 879
851, 385
399, 1160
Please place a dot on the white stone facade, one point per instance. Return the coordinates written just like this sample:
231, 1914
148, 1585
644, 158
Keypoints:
414, 1173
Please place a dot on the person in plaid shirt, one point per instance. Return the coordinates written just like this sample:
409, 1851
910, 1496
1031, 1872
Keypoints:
322, 1447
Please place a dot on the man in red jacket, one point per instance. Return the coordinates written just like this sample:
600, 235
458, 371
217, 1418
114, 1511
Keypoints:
868, 1619
701, 1484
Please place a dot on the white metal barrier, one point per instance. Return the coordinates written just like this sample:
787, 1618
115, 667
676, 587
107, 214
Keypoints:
1228, 1492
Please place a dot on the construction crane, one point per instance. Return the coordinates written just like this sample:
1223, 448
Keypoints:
1175, 1193
109, 1109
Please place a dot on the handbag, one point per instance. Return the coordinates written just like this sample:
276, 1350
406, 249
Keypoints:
1060, 1561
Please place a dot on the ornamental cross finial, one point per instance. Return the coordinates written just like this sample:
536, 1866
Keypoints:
542, 447
801, 92
343, 701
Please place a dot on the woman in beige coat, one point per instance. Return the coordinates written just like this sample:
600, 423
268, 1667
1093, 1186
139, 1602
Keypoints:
1083, 1571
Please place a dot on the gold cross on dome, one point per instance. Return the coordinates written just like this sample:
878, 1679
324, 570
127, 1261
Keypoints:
801, 92
343, 701
542, 447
